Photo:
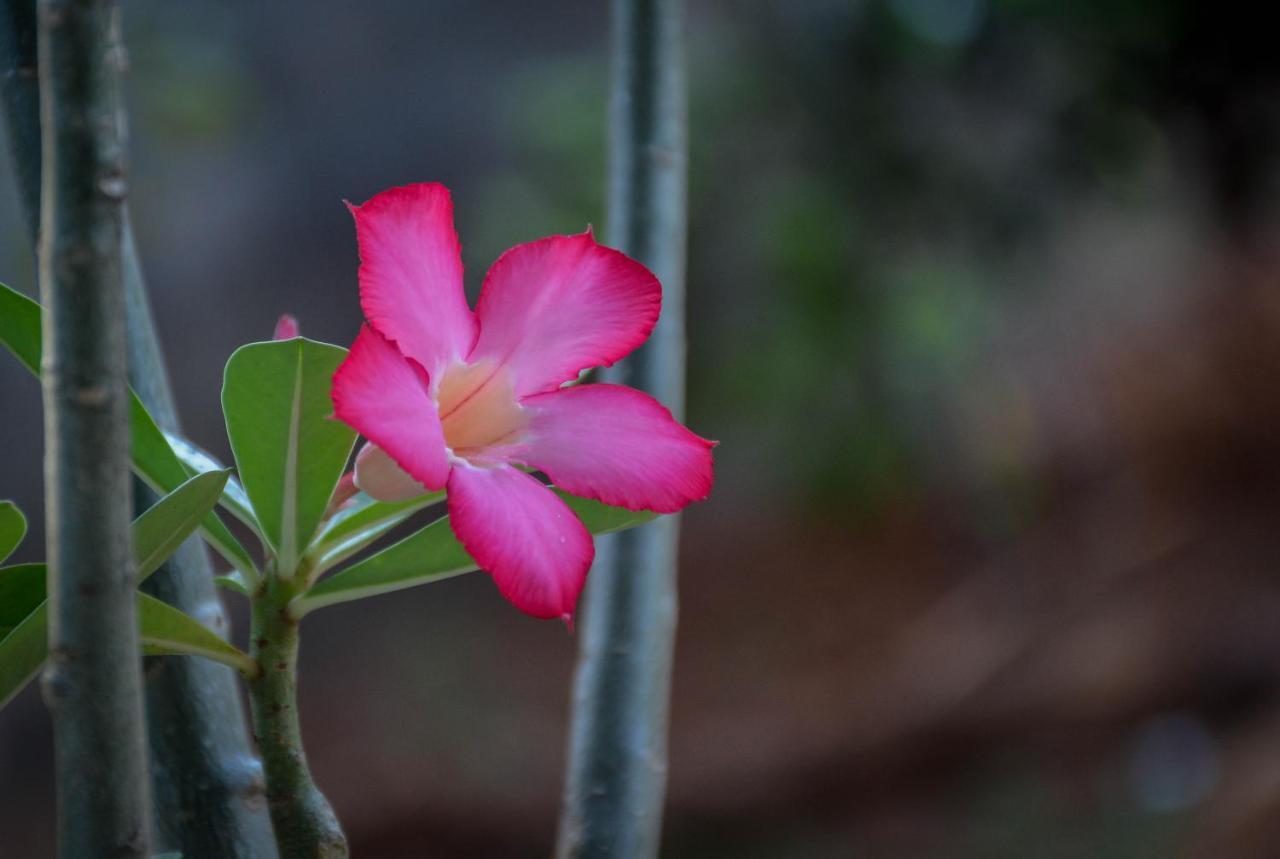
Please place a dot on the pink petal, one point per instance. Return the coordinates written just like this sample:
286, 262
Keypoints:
380, 476
286, 327
536, 549
342, 493
411, 273
553, 307
617, 445
383, 395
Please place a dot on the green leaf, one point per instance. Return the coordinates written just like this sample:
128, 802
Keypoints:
156, 534
159, 531
233, 581
20, 327
22, 652
434, 553
428, 554
166, 630
13, 527
196, 459
157, 464
358, 524
604, 518
289, 451
153, 459
21, 592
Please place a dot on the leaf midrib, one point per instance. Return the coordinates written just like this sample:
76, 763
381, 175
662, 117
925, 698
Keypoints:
289, 501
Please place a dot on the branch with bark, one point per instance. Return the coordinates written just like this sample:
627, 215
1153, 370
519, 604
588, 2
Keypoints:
93, 682
207, 783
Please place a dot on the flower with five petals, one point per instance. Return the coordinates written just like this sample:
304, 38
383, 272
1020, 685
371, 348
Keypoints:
450, 398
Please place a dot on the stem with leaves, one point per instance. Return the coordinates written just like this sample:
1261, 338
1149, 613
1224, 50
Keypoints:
618, 741
93, 683
305, 825
207, 782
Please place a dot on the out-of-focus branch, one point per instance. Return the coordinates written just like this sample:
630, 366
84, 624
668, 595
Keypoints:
618, 743
20, 96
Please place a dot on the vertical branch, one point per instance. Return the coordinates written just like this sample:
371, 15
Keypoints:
207, 782
93, 684
618, 742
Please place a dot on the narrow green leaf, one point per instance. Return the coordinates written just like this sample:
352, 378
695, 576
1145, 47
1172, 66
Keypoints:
434, 553
289, 451
157, 464
159, 531
233, 581
20, 327
358, 524
13, 527
604, 518
156, 534
21, 591
22, 652
426, 555
196, 459
164, 629
153, 459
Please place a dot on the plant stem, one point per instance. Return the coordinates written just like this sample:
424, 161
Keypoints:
305, 825
617, 765
20, 91
208, 785
93, 683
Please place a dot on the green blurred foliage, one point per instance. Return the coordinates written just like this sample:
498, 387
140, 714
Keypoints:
867, 179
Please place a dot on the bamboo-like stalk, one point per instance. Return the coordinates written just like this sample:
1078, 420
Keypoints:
617, 767
93, 683
207, 783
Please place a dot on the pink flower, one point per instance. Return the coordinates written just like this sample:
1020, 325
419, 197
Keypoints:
456, 399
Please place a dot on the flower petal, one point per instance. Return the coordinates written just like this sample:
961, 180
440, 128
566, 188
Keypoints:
381, 477
533, 545
286, 327
553, 307
383, 395
411, 273
617, 445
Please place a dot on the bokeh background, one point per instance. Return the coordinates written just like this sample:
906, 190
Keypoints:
985, 310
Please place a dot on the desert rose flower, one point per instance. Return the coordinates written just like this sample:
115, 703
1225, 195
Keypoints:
450, 398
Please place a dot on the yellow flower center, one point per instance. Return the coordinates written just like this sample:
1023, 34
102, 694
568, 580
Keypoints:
478, 408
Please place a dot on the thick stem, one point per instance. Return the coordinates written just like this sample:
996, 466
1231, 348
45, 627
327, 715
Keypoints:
93, 683
618, 741
305, 825
207, 784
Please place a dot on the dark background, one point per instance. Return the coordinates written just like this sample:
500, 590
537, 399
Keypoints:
984, 308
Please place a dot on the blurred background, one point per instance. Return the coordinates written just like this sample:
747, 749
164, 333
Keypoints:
985, 310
